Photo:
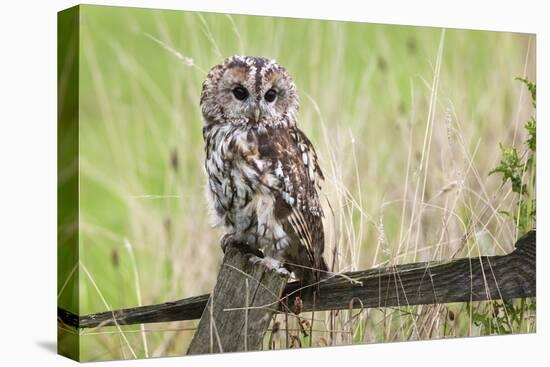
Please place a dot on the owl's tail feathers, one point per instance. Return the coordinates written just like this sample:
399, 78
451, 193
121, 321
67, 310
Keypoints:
322, 270
324, 266
312, 279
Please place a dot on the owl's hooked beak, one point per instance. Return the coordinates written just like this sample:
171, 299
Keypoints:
257, 113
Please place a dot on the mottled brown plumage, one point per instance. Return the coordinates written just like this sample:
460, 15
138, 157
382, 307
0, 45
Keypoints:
263, 174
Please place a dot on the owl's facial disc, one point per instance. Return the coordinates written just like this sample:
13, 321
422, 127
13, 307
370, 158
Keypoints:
260, 90
255, 90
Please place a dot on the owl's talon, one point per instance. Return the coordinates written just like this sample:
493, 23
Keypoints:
240, 243
228, 239
283, 271
235, 240
270, 264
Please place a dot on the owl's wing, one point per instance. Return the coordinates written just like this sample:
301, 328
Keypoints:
295, 166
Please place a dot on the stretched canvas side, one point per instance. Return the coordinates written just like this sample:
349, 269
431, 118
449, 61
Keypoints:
67, 177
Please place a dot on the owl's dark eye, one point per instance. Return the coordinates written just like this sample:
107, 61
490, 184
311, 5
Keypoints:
240, 93
270, 95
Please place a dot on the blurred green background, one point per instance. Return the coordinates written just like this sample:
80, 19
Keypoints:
407, 122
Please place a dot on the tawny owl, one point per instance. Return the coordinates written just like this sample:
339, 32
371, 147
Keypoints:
263, 175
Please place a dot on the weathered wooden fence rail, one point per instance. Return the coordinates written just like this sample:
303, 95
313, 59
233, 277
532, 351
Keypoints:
469, 279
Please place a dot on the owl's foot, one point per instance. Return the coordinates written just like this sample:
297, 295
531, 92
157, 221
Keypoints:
239, 242
228, 239
270, 264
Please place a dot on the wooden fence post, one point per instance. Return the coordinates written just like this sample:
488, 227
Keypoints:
240, 307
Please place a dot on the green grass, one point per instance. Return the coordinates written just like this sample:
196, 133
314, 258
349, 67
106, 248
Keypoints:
407, 122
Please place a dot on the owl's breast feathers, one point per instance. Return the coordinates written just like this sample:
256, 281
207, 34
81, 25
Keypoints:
249, 167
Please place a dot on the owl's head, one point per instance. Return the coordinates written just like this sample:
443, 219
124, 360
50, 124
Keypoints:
249, 90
